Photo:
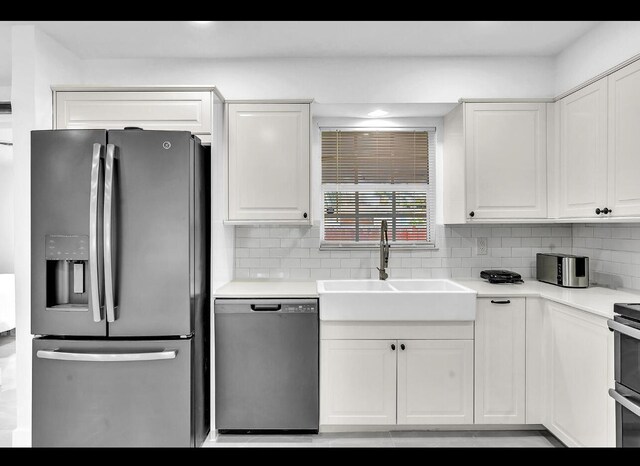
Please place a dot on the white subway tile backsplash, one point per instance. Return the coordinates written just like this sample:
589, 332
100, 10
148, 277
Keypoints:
299, 252
451, 262
330, 263
531, 242
340, 273
431, 262
541, 231
400, 273
613, 251
508, 242
421, 273
290, 262
409, 262
350, 263
310, 263
300, 274
242, 252
289, 242
461, 252
501, 231
270, 251
247, 242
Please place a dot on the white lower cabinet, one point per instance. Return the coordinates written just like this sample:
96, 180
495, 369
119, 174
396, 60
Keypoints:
500, 361
579, 374
380, 381
357, 382
435, 382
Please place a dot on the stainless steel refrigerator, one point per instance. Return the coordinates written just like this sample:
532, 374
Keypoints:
119, 276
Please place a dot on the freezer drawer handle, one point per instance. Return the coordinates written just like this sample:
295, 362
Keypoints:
624, 329
107, 224
630, 405
106, 357
94, 266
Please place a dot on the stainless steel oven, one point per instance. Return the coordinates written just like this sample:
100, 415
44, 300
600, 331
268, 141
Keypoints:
626, 327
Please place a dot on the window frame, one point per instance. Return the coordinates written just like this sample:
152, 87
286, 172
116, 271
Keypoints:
431, 244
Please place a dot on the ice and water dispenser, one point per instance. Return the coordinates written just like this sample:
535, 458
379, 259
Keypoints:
67, 272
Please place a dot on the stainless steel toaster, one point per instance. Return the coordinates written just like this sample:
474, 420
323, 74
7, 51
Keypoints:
564, 270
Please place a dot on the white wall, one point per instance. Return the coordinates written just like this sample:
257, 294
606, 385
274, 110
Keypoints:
37, 62
355, 80
5, 93
6, 196
601, 48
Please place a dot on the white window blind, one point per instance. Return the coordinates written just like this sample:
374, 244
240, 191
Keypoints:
374, 175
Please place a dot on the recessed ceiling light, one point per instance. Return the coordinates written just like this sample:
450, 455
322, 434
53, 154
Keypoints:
377, 113
202, 22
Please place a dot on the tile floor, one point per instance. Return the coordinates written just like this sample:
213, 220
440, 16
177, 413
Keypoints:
7, 389
529, 438
475, 438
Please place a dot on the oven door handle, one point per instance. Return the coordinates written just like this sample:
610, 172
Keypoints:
624, 329
625, 402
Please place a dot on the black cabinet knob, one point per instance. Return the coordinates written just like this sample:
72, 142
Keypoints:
472, 213
402, 347
605, 210
393, 347
598, 211
304, 215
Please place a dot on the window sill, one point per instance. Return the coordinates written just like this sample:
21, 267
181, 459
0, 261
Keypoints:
375, 246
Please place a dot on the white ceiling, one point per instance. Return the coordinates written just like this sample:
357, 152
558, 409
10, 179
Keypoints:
267, 39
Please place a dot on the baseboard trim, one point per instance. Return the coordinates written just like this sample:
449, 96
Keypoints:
439, 427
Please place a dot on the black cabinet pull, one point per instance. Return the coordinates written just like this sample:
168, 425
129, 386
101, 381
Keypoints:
598, 211
472, 213
393, 347
304, 215
504, 301
402, 347
605, 210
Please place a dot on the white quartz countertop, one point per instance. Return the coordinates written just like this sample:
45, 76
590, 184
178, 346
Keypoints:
596, 300
268, 289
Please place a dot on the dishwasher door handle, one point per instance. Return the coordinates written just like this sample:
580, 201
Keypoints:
266, 307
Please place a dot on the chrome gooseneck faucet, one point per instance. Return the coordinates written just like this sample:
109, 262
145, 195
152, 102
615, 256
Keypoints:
384, 251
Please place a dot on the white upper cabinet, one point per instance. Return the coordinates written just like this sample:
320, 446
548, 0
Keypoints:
268, 164
500, 361
506, 166
583, 151
187, 109
624, 151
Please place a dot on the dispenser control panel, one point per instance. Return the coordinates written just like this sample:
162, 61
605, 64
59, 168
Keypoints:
67, 247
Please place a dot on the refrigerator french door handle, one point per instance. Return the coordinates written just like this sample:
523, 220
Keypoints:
106, 357
94, 266
107, 225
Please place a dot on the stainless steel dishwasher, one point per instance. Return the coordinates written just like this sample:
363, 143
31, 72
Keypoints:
266, 365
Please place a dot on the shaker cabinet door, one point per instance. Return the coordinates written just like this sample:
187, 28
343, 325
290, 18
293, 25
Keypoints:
624, 154
268, 163
583, 151
435, 382
506, 160
358, 382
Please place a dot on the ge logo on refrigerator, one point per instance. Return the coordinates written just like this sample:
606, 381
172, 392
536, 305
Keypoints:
166, 145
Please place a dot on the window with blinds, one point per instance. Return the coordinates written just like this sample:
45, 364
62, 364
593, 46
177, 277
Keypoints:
374, 175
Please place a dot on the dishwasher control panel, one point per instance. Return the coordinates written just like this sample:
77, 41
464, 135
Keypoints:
299, 307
